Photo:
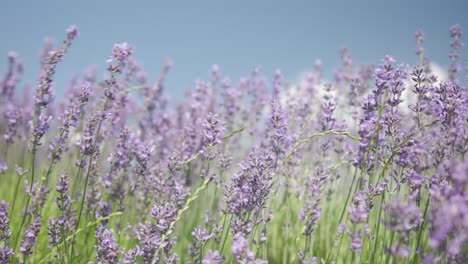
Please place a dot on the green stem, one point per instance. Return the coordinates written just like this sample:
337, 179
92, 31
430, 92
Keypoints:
374, 248
226, 235
23, 220
348, 196
98, 130
391, 244
420, 231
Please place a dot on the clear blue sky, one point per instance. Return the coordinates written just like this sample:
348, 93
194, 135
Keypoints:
234, 34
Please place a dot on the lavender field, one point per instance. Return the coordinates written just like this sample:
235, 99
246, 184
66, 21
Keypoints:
368, 167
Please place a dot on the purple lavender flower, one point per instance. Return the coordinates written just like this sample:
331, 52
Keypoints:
67, 220
277, 83
169, 199
104, 210
419, 36
311, 211
72, 32
448, 212
364, 156
456, 33
358, 211
211, 136
213, 257
44, 92
356, 243
38, 195
120, 160
400, 250
403, 217
225, 162
327, 120
249, 188
3, 166
14, 116
11, 78
277, 126
54, 231
5, 254
201, 237
420, 51
242, 251
131, 256
43, 124
121, 51
142, 158
86, 143
149, 239
5, 231
107, 250
120, 54
63, 200
30, 237
69, 119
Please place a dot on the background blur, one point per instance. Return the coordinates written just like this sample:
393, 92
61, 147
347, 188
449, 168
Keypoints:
236, 35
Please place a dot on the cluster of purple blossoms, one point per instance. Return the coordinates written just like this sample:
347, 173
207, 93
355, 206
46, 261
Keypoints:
423, 84
364, 157
456, 33
145, 170
44, 90
14, 115
242, 251
70, 120
211, 136
201, 237
249, 189
358, 213
5, 233
121, 52
152, 235
278, 141
107, 250
311, 211
449, 211
213, 257
30, 237
403, 226
420, 51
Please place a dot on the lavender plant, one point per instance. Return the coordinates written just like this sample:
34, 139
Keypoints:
368, 167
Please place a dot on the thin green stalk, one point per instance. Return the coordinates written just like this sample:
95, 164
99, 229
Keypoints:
420, 231
201, 253
391, 244
227, 233
16, 193
374, 248
348, 196
23, 219
88, 172
342, 214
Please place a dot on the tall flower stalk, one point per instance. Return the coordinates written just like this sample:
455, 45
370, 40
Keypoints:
44, 96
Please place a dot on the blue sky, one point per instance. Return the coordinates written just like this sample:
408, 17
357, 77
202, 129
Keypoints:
234, 34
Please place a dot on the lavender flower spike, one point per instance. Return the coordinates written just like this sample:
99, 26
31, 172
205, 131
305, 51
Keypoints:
5, 231
30, 237
212, 135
